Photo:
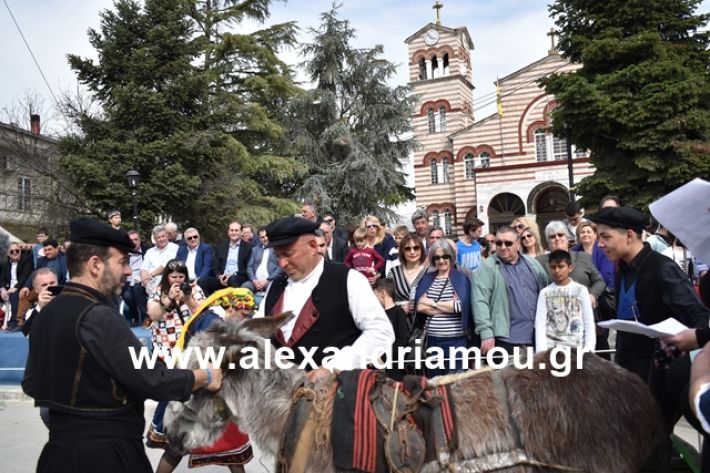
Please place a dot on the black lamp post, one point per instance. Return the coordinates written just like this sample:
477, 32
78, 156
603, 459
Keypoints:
134, 177
570, 170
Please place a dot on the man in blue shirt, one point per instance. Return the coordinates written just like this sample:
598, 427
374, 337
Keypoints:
468, 250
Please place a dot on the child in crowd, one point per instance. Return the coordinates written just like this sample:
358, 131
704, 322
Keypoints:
384, 290
363, 258
564, 310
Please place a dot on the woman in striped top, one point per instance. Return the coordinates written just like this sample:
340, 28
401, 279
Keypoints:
443, 306
407, 275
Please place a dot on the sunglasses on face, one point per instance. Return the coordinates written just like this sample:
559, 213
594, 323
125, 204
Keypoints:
436, 258
13, 252
519, 226
372, 225
557, 235
525, 237
193, 237
504, 242
412, 248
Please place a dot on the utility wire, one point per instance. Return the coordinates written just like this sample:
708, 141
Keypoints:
31, 53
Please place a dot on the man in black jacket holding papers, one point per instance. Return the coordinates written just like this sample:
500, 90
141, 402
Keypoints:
649, 288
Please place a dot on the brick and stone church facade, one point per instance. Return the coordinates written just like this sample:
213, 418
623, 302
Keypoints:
497, 167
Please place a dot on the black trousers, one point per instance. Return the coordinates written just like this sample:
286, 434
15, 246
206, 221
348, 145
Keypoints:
94, 456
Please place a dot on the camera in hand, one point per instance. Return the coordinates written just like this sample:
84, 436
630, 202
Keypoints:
186, 288
55, 290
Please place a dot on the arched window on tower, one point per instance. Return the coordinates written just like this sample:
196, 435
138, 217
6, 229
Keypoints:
470, 166
445, 170
431, 120
435, 67
442, 119
422, 69
448, 222
446, 64
484, 159
435, 220
434, 172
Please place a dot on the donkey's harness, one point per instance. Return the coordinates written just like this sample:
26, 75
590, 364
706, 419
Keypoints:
399, 415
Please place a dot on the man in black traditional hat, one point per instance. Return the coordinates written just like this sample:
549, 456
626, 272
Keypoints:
334, 305
80, 367
649, 288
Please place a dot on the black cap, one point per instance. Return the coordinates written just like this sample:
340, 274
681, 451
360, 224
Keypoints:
94, 232
287, 230
621, 217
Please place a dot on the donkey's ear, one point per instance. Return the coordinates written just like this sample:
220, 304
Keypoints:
266, 326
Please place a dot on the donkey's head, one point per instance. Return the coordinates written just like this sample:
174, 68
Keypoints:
202, 419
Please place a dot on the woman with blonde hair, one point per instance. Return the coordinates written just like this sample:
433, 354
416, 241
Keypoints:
378, 239
530, 242
521, 223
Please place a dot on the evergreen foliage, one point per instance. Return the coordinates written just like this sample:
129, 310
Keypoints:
641, 101
351, 129
189, 105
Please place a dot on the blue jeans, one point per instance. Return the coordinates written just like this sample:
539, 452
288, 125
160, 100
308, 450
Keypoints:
136, 300
445, 343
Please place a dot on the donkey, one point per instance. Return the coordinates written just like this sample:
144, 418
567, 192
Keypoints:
600, 419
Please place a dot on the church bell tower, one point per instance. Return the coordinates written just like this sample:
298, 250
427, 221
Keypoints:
440, 76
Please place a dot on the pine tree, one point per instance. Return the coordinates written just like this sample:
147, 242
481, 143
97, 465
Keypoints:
350, 130
641, 101
166, 113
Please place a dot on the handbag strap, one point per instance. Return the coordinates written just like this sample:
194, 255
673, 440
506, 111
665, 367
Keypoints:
443, 288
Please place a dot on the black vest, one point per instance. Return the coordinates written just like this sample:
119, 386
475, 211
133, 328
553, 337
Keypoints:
334, 326
64, 375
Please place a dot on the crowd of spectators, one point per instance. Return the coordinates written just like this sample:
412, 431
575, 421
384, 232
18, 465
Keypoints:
513, 287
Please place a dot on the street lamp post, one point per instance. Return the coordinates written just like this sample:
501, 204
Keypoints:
570, 169
134, 177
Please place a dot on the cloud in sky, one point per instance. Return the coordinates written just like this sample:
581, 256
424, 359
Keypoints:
507, 35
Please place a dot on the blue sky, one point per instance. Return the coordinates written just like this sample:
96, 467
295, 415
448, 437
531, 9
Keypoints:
507, 35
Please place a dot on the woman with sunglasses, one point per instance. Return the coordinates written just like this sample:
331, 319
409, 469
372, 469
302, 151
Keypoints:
530, 242
379, 240
443, 306
407, 275
521, 223
170, 305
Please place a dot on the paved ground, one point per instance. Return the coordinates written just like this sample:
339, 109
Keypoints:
22, 436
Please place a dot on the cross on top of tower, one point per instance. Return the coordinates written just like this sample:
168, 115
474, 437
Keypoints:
438, 6
552, 34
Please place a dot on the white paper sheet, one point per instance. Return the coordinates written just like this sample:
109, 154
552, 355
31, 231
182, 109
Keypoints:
686, 213
666, 328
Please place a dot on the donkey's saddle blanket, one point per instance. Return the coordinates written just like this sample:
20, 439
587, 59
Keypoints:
380, 425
